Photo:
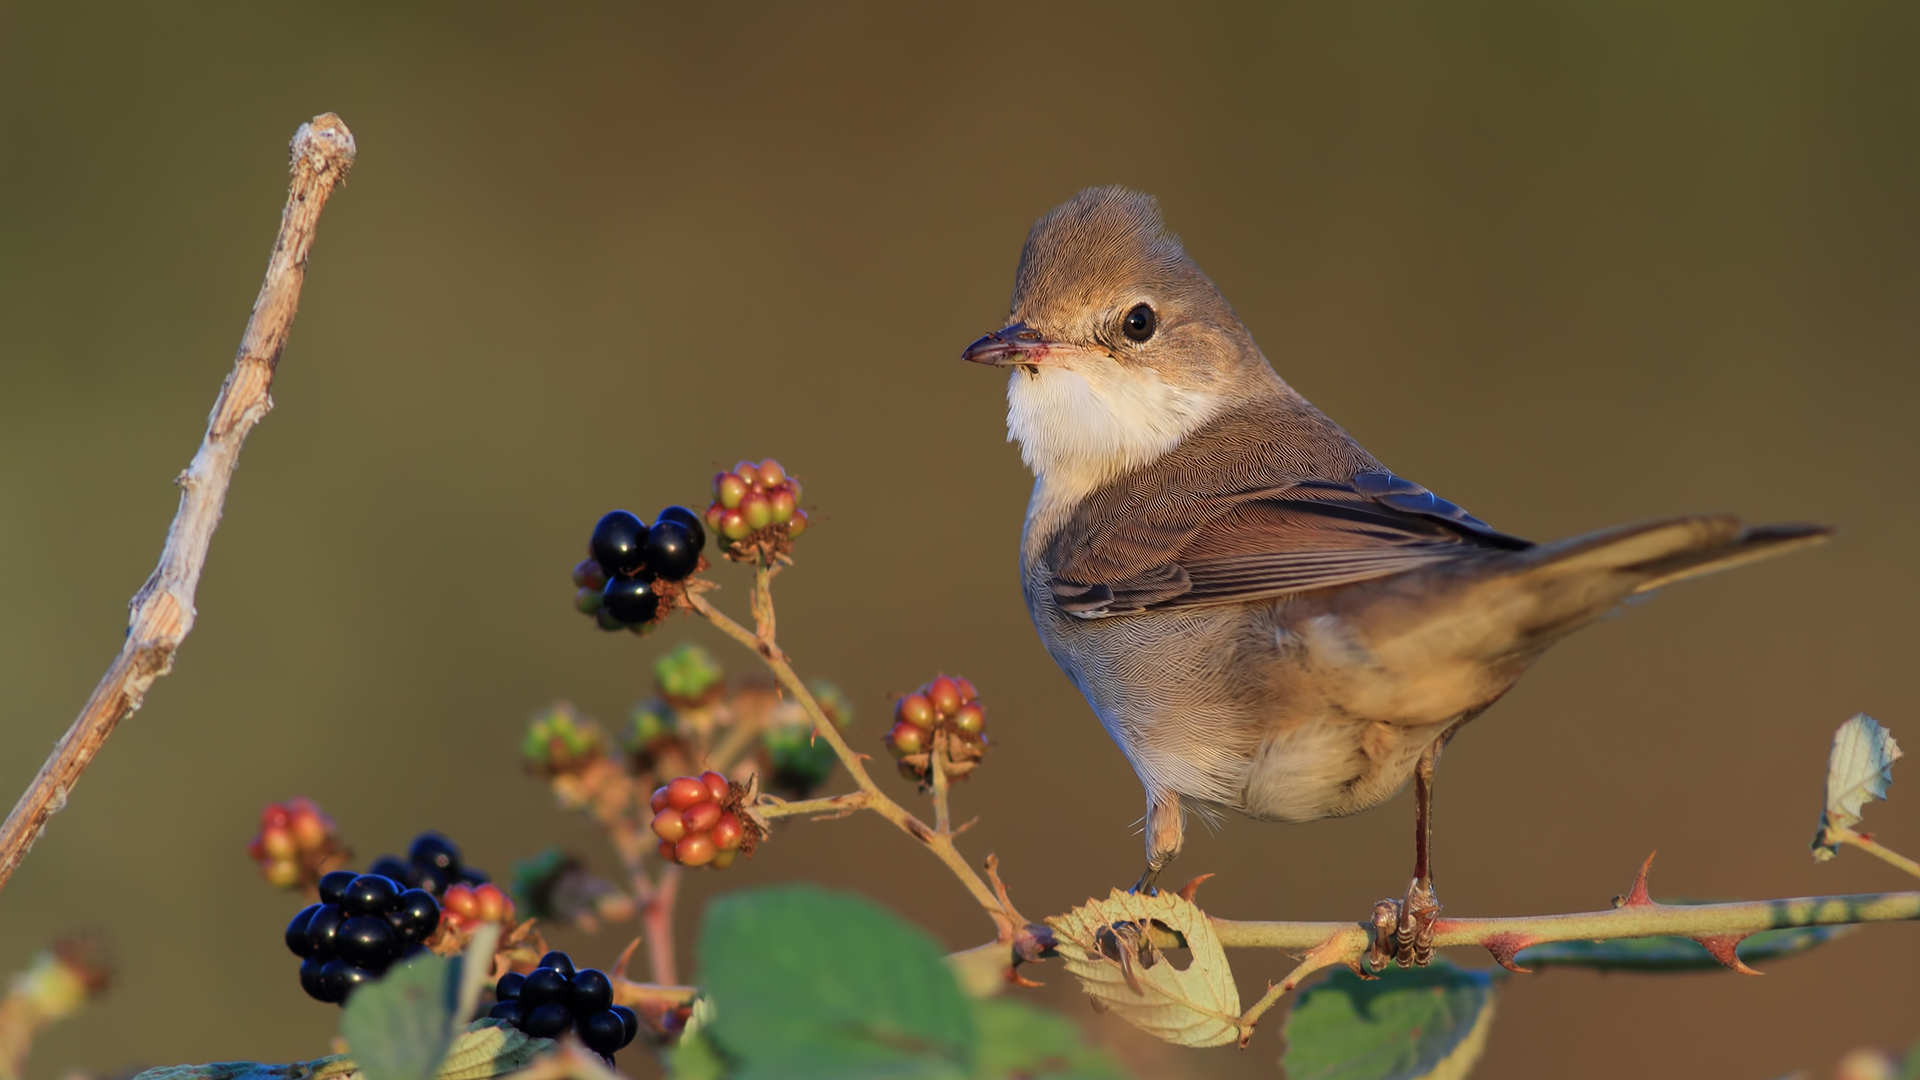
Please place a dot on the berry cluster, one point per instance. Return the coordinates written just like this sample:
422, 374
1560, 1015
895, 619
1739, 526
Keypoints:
554, 999
560, 740
432, 863
631, 567
756, 511
944, 716
698, 821
296, 844
466, 906
362, 924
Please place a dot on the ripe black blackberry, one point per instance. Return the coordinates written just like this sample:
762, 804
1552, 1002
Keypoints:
553, 999
432, 863
620, 582
363, 924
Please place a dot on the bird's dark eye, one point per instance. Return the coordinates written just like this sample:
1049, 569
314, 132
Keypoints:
1138, 324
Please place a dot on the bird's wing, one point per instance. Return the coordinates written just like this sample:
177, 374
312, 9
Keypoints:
1175, 547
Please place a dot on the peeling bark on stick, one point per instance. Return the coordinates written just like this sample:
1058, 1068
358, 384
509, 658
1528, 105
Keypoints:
162, 611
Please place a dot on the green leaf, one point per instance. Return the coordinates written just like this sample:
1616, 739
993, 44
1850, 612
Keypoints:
692, 1056
1673, 953
402, 1026
1427, 1024
808, 983
1019, 1042
1859, 768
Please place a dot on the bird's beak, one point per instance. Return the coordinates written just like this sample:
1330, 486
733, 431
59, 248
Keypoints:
1011, 346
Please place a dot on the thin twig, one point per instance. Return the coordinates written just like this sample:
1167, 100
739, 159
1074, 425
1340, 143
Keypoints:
162, 611
739, 740
832, 806
656, 920
942, 822
1868, 844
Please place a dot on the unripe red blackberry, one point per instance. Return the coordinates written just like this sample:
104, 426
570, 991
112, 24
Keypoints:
944, 716
695, 849
588, 575
296, 845
914, 709
906, 739
698, 821
756, 511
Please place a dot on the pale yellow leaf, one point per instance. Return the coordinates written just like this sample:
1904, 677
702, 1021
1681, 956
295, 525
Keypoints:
1104, 946
1859, 769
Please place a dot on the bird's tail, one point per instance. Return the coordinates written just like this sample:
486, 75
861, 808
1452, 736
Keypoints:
1664, 552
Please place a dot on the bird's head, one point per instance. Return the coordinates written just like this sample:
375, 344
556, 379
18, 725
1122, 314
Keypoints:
1118, 346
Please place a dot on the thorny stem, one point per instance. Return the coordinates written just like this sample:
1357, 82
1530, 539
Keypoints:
1714, 925
656, 920
1872, 847
609, 796
834, 806
941, 844
162, 611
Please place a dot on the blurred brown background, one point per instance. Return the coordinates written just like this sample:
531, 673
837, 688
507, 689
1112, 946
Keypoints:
1570, 265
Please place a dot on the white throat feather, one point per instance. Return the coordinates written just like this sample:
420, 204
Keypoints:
1079, 428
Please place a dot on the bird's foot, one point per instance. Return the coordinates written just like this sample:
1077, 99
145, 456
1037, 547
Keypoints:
1146, 885
1403, 929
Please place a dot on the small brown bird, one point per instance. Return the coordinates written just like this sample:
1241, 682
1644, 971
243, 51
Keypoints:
1262, 616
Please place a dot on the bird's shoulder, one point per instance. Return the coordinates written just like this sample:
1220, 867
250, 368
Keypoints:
1261, 502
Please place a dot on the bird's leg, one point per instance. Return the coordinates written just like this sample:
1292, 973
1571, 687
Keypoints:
1403, 929
1166, 829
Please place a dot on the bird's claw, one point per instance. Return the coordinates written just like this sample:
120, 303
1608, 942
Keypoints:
1146, 885
1403, 929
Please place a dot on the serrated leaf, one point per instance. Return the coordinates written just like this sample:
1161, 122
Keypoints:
1673, 953
1426, 1024
1859, 768
486, 1050
1019, 1042
808, 983
326, 1067
490, 1048
1104, 945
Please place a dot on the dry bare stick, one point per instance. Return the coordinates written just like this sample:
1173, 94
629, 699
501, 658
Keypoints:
162, 611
